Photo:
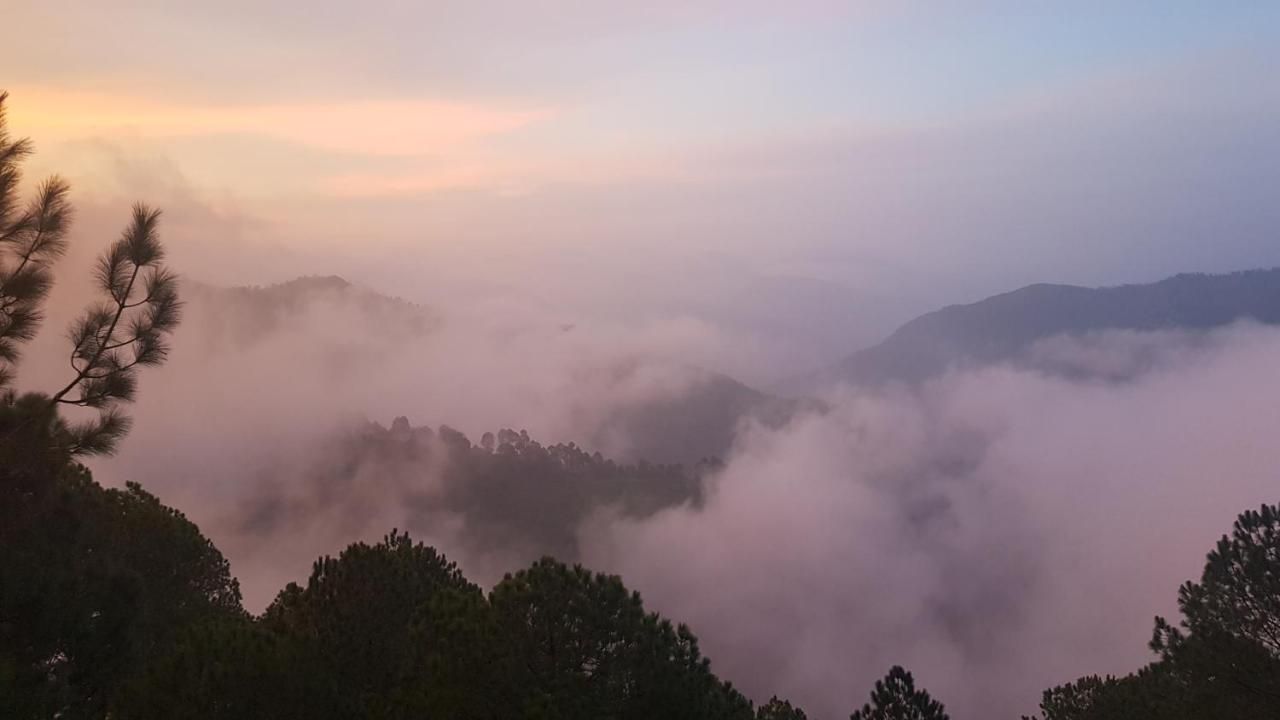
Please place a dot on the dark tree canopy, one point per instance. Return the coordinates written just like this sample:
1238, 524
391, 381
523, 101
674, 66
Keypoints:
394, 631
92, 582
516, 497
356, 613
586, 648
896, 698
778, 709
1239, 590
229, 670
1221, 661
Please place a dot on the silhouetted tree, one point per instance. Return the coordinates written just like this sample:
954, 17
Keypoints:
777, 709
1152, 692
1229, 637
1224, 659
357, 613
109, 342
1239, 589
896, 698
32, 238
92, 582
116, 337
463, 661
582, 647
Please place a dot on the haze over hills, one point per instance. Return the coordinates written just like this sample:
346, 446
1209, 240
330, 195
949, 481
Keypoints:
702, 411
583, 361
693, 419
305, 472
1008, 327
243, 314
919, 469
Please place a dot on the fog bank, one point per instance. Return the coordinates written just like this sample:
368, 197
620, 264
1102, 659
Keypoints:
998, 531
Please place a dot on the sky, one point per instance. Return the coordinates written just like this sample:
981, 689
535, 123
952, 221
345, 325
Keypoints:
822, 170
751, 187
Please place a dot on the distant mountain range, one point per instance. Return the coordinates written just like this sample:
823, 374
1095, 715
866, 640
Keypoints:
685, 427
506, 498
1004, 328
702, 421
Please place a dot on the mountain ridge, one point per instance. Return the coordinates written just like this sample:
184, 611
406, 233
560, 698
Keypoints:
998, 328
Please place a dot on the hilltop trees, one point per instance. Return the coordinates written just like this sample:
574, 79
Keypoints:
1238, 595
394, 631
92, 581
1228, 645
1222, 661
777, 709
585, 648
896, 698
516, 496
356, 615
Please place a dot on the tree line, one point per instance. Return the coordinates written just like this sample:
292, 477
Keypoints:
113, 605
511, 492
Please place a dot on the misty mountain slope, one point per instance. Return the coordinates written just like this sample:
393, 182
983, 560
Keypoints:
696, 424
629, 407
245, 314
1007, 327
507, 497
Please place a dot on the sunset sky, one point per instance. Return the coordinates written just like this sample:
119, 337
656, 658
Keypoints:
731, 298
882, 155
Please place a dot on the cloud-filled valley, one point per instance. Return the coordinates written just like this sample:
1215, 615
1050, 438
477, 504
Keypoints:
1000, 527
609, 361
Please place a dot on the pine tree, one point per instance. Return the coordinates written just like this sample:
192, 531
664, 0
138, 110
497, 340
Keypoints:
896, 698
1239, 590
32, 238
110, 341
1229, 639
1221, 661
777, 709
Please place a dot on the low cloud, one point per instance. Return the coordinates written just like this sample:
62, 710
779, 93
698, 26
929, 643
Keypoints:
998, 531
263, 384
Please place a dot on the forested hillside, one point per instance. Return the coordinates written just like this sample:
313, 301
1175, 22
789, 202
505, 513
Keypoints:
349, 330
508, 493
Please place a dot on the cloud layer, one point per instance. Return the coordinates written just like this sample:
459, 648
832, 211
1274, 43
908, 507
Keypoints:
998, 531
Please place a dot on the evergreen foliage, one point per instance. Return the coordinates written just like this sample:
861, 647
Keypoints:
896, 698
110, 341
1222, 660
32, 238
778, 709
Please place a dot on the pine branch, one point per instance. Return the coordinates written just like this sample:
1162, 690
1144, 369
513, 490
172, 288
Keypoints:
112, 339
110, 330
